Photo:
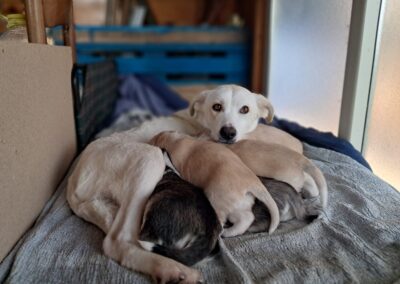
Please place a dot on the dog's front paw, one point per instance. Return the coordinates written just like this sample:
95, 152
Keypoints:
173, 272
228, 233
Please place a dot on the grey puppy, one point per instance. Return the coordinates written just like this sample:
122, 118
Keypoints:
290, 203
179, 221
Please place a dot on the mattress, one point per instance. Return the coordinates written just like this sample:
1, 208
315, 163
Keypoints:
356, 239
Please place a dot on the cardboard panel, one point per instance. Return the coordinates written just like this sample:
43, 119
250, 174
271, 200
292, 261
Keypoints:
37, 133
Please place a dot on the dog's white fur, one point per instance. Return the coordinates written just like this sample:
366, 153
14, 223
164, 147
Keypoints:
115, 175
232, 99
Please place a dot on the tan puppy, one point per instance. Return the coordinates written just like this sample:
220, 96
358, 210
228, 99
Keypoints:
270, 134
228, 183
283, 164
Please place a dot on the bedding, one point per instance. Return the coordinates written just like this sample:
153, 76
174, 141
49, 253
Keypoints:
148, 93
320, 139
357, 239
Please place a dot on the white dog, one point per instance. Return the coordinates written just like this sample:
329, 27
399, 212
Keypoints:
115, 175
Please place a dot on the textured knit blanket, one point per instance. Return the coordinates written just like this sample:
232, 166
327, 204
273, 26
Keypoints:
356, 240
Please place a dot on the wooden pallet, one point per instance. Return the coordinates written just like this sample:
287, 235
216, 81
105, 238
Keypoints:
178, 55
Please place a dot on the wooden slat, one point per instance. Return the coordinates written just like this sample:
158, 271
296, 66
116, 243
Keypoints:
56, 12
35, 21
151, 34
49, 13
106, 47
259, 41
182, 65
178, 62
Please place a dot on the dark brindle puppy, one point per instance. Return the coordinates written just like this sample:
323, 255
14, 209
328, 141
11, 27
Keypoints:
179, 221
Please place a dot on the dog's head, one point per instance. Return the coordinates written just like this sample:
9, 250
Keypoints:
229, 112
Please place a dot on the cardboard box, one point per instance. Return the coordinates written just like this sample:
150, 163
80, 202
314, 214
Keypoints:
37, 132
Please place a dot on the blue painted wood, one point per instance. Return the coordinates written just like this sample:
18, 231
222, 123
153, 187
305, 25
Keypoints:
166, 47
181, 65
177, 63
87, 59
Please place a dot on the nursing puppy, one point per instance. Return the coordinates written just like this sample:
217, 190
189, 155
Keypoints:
290, 203
179, 221
280, 163
269, 134
230, 186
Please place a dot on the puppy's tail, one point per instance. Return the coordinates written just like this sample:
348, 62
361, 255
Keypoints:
265, 197
320, 181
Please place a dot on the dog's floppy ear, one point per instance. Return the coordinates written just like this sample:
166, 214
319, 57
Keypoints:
265, 108
154, 141
159, 139
196, 102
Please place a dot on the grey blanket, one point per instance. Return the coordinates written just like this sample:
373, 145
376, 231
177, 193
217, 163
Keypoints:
356, 240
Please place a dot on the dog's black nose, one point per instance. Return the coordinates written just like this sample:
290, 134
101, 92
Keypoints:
227, 132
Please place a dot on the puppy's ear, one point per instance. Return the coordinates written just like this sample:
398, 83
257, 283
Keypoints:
265, 107
159, 139
154, 141
196, 102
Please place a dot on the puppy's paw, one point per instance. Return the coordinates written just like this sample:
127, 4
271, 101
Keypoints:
306, 194
172, 272
313, 207
228, 233
310, 188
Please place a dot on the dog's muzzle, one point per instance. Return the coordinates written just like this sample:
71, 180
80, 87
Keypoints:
227, 134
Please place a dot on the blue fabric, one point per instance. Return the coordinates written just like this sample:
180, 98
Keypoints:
172, 99
134, 93
147, 92
321, 139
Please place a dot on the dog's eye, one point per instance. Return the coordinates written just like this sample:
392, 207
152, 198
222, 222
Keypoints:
217, 107
244, 109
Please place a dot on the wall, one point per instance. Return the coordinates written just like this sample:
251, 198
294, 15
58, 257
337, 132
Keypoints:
308, 46
383, 133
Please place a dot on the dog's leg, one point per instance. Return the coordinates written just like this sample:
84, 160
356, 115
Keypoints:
121, 242
98, 213
241, 221
310, 188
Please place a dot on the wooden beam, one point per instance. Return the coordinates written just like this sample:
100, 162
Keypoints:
259, 43
35, 21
